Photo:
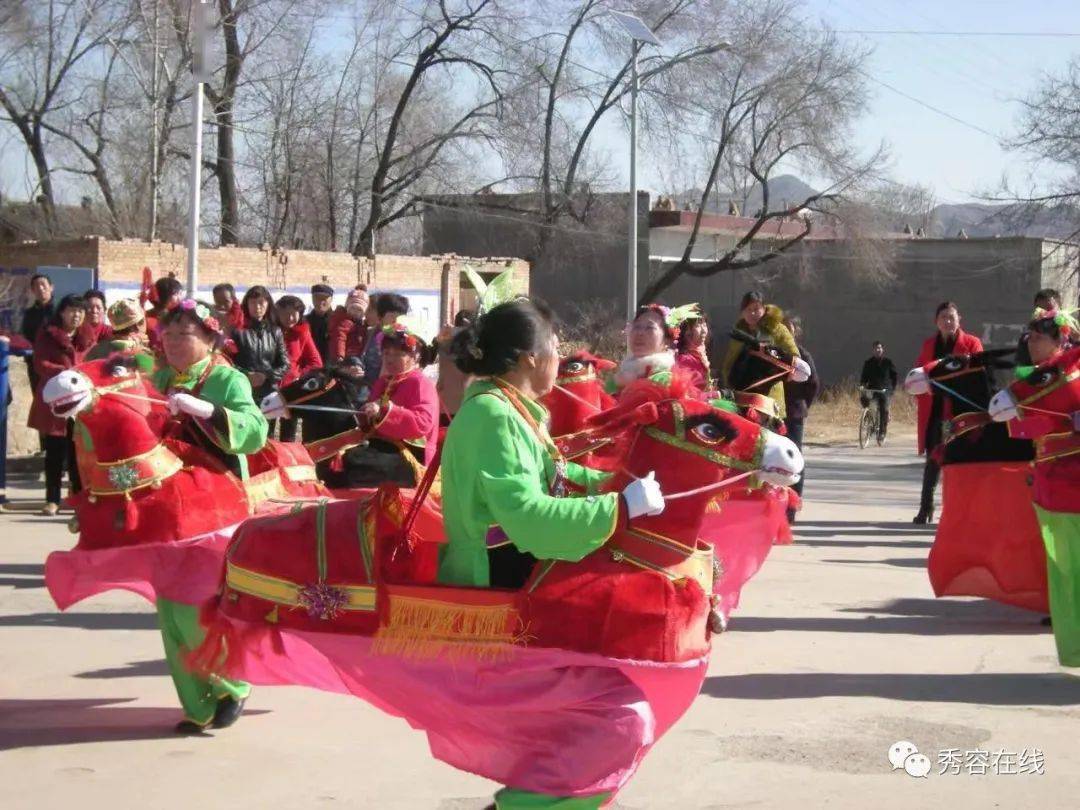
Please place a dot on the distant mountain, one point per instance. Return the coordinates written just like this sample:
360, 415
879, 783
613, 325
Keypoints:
946, 220
787, 188
978, 219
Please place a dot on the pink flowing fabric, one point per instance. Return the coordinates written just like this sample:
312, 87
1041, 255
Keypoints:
742, 534
189, 571
544, 720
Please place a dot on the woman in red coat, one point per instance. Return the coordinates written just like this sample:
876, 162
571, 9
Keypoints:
300, 346
935, 408
60, 345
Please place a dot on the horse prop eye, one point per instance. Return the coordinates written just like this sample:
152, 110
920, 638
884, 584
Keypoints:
574, 367
952, 364
1041, 379
711, 431
311, 385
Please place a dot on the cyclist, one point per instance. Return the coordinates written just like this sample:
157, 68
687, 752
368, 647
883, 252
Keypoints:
878, 381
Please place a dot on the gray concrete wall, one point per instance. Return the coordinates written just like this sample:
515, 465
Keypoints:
828, 283
578, 263
992, 281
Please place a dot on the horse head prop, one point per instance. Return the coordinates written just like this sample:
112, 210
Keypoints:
578, 393
1046, 398
967, 382
139, 486
696, 451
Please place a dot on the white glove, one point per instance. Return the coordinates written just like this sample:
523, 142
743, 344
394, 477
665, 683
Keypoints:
193, 406
273, 406
644, 497
801, 372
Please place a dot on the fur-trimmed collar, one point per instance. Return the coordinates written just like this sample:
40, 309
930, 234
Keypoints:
635, 368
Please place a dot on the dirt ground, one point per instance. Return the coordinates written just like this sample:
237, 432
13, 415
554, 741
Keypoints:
838, 651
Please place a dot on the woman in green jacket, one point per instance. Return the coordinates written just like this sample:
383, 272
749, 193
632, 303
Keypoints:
504, 480
213, 407
766, 323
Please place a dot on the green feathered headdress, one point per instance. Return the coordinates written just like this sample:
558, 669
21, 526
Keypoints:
673, 317
498, 291
1064, 321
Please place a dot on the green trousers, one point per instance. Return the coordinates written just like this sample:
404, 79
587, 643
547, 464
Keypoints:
181, 632
510, 799
1061, 536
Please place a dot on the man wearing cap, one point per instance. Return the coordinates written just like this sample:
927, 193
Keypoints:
318, 320
128, 323
348, 330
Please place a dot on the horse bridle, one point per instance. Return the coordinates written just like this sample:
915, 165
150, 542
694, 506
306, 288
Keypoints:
308, 397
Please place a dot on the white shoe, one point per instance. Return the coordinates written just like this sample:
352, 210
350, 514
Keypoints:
50, 509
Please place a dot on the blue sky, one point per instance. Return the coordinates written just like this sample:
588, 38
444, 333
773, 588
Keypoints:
975, 79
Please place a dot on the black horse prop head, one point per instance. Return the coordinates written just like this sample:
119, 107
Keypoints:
967, 381
759, 364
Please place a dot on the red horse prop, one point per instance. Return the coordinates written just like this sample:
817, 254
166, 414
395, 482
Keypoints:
559, 687
155, 514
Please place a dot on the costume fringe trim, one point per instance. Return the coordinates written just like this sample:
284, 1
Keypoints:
426, 628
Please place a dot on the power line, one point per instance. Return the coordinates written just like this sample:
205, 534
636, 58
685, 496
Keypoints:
932, 33
931, 107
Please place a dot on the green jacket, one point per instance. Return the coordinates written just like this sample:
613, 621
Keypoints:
770, 329
495, 472
238, 426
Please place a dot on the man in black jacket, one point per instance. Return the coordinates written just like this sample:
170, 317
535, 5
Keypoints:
318, 320
879, 377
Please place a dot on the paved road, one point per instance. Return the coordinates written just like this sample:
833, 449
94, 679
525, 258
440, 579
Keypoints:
839, 650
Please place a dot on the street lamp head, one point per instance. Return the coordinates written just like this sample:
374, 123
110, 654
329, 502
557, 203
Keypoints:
635, 28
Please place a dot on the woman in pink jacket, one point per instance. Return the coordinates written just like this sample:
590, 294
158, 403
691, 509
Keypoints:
691, 351
402, 414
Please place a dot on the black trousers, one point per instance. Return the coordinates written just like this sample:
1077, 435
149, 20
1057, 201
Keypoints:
931, 473
883, 413
795, 433
60, 453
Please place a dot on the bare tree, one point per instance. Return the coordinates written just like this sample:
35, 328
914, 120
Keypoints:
582, 70
1049, 134
447, 36
785, 96
46, 45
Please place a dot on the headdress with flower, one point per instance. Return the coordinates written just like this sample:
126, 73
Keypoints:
124, 313
1055, 320
401, 334
202, 312
672, 317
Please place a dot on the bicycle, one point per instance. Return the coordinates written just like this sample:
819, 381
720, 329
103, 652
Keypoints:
869, 420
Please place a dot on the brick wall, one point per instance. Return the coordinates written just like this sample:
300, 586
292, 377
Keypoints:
73, 252
120, 262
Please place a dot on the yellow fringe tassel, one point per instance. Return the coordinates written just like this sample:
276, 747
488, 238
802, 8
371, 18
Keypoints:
424, 628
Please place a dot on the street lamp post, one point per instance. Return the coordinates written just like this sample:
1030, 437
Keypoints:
639, 33
201, 72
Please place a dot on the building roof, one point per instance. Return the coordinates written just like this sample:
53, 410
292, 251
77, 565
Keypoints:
786, 228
